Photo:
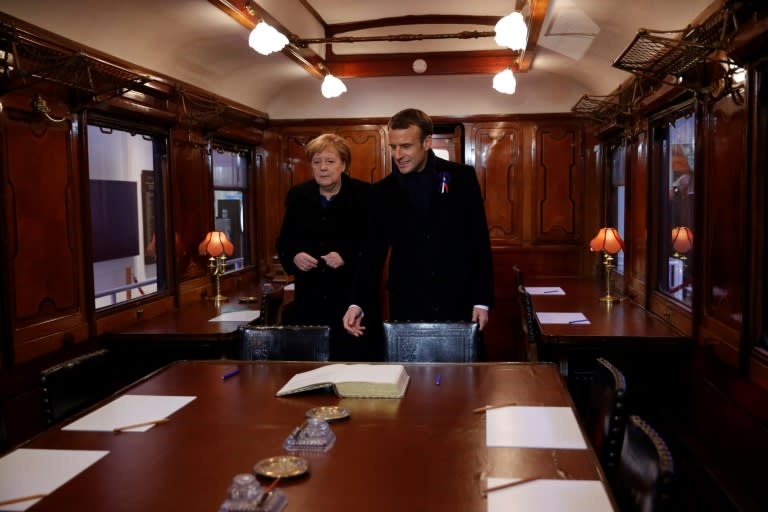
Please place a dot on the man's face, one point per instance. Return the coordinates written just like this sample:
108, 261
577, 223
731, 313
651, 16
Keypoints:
409, 153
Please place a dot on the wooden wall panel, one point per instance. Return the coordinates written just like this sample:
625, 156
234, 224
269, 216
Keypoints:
725, 186
637, 216
40, 184
369, 152
498, 162
192, 203
559, 185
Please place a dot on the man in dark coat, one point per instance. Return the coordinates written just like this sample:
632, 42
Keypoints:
322, 238
429, 213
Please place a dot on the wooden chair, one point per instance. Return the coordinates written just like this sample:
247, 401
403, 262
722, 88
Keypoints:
284, 342
645, 471
458, 342
69, 387
271, 306
518, 276
530, 326
606, 414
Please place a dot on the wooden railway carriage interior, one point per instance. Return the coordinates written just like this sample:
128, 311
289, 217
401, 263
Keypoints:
118, 154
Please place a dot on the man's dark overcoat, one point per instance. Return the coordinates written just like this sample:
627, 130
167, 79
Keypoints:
434, 224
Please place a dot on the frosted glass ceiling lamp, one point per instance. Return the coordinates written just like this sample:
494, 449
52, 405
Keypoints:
265, 39
332, 86
505, 82
512, 32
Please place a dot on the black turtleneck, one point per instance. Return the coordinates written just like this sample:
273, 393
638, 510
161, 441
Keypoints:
419, 186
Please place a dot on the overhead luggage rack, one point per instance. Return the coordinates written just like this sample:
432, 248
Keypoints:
662, 54
26, 60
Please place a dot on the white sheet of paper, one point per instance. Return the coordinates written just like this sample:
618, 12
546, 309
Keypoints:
563, 318
130, 409
245, 315
290, 286
27, 471
545, 290
533, 427
549, 495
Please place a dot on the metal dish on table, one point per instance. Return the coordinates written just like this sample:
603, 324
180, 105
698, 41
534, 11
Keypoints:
329, 413
282, 466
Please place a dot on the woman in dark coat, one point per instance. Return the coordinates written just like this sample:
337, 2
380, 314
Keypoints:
321, 240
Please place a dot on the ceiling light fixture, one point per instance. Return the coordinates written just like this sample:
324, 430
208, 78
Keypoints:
512, 32
265, 39
332, 87
505, 82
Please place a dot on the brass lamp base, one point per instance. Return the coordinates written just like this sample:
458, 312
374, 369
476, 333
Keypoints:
610, 299
218, 297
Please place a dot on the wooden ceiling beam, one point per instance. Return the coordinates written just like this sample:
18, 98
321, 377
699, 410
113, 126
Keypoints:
247, 13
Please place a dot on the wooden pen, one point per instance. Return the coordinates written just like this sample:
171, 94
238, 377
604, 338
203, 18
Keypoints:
21, 499
510, 484
496, 406
117, 430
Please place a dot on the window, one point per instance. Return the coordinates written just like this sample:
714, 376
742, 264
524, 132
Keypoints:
230, 192
675, 144
127, 236
617, 156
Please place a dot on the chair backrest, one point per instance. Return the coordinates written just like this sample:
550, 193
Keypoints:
645, 470
284, 342
530, 326
606, 415
271, 306
75, 384
458, 342
518, 276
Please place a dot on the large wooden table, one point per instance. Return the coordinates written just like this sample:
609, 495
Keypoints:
631, 337
426, 451
185, 332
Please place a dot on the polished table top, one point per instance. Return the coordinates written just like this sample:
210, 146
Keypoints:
624, 320
426, 451
191, 320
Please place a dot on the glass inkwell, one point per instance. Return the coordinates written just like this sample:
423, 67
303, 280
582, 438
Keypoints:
313, 435
245, 494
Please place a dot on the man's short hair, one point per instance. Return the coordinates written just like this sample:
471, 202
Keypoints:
411, 116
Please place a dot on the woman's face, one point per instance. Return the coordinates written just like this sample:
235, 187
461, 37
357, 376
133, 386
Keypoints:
327, 168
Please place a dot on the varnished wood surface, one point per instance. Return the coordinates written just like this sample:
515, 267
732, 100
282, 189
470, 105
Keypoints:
191, 322
426, 451
623, 321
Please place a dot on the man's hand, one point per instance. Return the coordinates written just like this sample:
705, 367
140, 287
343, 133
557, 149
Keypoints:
480, 316
353, 321
304, 262
333, 259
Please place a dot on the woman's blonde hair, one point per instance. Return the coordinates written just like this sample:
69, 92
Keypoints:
325, 140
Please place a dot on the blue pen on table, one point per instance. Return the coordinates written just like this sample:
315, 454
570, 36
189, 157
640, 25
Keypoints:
437, 379
230, 373
578, 321
551, 291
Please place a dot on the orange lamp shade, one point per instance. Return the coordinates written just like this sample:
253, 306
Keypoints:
215, 244
682, 239
608, 240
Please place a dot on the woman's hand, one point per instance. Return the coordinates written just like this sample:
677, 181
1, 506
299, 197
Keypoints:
333, 259
304, 262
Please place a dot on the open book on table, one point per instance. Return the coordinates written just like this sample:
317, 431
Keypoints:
352, 380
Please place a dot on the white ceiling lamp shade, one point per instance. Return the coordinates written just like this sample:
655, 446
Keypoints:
265, 39
512, 32
505, 82
332, 87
